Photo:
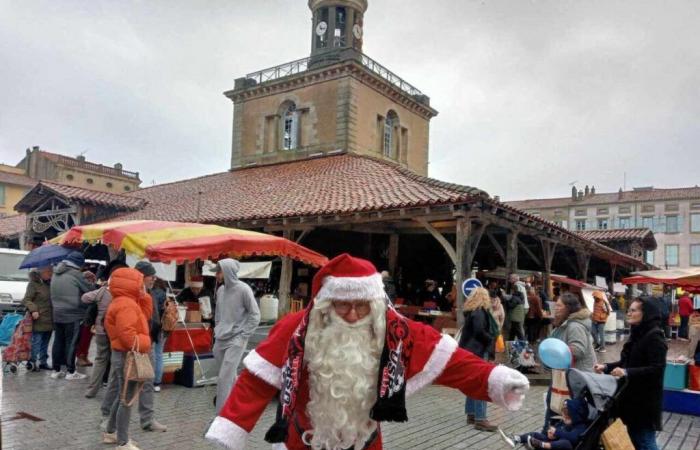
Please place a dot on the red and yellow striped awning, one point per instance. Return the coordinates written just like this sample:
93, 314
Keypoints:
179, 241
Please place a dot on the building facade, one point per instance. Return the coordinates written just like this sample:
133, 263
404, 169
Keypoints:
78, 172
336, 100
13, 185
672, 214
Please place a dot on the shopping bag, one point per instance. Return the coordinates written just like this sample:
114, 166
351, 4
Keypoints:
615, 437
138, 368
560, 391
500, 344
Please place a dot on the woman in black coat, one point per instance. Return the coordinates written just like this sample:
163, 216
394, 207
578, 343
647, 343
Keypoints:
479, 338
642, 361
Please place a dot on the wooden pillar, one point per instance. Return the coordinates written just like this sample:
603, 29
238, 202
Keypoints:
583, 260
285, 287
548, 249
613, 273
512, 251
393, 253
463, 261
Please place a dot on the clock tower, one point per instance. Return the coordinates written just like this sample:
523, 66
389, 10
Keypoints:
336, 100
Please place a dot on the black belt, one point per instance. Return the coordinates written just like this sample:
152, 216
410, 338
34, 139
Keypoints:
370, 440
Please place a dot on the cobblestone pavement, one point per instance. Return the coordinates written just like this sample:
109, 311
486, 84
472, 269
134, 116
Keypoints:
436, 419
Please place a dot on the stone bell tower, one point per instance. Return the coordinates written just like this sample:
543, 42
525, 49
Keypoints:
336, 26
336, 100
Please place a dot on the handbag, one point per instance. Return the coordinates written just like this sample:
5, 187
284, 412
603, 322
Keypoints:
137, 368
615, 437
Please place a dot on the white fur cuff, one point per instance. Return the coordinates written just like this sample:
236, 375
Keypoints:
441, 355
263, 369
227, 434
507, 387
351, 288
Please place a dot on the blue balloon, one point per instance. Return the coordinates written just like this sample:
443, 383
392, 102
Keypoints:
554, 353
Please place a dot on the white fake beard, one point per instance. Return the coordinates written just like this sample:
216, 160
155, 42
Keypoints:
343, 365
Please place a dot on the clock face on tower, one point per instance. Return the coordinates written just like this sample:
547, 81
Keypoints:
357, 31
321, 28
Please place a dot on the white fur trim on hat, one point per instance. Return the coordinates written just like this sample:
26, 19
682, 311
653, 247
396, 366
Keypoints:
507, 387
226, 434
263, 369
370, 287
437, 362
196, 284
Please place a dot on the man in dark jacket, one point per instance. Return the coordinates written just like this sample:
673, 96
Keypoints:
68, 284
37, 300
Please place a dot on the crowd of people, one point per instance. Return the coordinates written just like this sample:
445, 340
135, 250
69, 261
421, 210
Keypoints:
347, 331
122, 312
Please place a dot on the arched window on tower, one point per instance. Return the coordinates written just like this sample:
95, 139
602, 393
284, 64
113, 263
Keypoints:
391, 122
290, 127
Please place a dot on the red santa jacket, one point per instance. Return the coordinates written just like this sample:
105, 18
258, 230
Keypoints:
435, 359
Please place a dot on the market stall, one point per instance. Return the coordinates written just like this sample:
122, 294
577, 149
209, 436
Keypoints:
174, 243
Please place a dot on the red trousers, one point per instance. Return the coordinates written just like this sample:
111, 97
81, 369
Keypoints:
84, 341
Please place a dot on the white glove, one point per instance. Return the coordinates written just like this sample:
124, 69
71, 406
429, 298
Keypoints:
507, 387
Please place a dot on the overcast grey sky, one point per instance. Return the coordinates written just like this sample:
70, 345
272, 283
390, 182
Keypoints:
532, 94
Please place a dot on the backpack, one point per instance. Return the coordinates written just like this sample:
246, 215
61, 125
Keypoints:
170, 317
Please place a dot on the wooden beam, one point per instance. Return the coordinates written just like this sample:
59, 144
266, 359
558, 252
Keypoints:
303, 234
548, 249
497, 246
462, 261
393, 253
530, 253
285, 287
583, 260
440, 238
477, 233
512, 251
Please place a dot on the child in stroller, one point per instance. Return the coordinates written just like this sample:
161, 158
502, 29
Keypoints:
565, 435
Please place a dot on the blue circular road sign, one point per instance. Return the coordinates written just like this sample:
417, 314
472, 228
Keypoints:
469, 285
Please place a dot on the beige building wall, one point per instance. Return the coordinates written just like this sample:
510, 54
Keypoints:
367, 132
13, 194
73, 176
258, 130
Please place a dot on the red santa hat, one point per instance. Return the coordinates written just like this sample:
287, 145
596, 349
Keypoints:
197, 281
347, 278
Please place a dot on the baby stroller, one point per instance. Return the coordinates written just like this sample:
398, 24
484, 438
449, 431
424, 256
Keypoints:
600, 393
19, 349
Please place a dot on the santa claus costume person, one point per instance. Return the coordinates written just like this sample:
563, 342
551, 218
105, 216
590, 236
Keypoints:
345, 364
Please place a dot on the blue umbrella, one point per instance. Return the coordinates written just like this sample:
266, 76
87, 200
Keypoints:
45, 255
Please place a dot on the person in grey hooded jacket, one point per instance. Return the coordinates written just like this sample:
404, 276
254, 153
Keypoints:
68, 284
237, 317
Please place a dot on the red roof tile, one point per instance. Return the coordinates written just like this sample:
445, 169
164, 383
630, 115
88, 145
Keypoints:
641, 195
16, 179
337, 184
119, 202
12, 226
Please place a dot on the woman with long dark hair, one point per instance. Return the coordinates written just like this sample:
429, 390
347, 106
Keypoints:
642, 362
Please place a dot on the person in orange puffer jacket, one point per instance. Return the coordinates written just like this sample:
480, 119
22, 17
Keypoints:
601, 311
126, 322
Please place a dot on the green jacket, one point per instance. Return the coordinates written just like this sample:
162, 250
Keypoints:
38, 299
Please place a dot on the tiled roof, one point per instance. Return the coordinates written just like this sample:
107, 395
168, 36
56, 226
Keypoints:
645, 235
338, 184
119, 202
642, 195
12, 226
16, 179
87, 165
627, 234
